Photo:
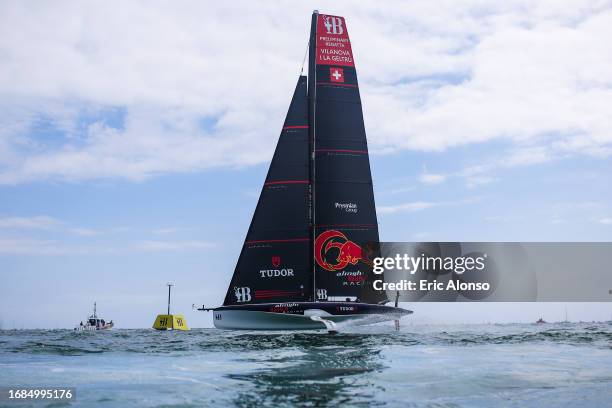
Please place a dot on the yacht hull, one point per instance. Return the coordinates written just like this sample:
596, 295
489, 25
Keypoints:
297, 316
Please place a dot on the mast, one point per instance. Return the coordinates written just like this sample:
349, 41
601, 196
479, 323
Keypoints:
312, 97
95, 316
169, 284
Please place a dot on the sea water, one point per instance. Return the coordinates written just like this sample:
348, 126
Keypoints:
548, 365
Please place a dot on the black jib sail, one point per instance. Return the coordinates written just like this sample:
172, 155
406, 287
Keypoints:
345, 225
274, 264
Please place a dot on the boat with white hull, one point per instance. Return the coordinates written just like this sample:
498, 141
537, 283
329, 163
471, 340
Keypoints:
306, 262
299, 315
94, 322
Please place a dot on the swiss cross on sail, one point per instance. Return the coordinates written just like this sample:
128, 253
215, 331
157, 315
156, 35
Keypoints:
314, 232
336, 74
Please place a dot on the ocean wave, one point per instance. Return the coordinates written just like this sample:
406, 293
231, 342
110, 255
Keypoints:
147, 341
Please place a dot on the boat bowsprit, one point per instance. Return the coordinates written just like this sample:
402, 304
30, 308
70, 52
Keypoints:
306, 261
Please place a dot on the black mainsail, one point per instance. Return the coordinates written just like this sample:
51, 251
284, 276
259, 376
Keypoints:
307, 257
274, 264
345, 226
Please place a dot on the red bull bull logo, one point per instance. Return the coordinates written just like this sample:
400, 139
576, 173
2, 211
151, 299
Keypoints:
348, 251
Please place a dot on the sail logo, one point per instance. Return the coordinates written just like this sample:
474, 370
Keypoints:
352, 278
243, 294
348, 251
336, 75
276, 261
333, 25
275, 273
347, 207
321, 294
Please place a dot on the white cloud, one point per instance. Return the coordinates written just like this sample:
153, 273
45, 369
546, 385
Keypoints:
605, 220
10, 246
485, 172
537, 75
422, 205
85, 232
430, 178
160, 246
168, 230
405, 207
33, 246
37, 222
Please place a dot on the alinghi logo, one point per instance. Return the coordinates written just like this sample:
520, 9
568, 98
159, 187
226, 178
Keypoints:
243, 294
333, 25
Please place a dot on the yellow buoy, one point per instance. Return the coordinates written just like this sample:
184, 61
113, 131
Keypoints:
169, 321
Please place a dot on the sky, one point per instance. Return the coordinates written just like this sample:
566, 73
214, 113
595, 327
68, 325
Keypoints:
135, 137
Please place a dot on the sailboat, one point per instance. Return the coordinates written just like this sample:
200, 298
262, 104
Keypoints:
306, 262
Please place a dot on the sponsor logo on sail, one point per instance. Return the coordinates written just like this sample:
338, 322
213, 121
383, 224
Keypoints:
352, 278
333, 25
243, 294
348, 251
333, 46
321, 294
276, 261
347, 207
336, 74
275, 273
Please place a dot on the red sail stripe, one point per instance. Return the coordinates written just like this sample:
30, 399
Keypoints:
273, 292
342, 151
263, 295
338, 84
273, 295
269, 183
296, 127
345, 225
277, 240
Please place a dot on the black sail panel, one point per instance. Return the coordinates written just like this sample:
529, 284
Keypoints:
345, 224
275, 261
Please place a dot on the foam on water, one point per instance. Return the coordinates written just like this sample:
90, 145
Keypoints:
420, 366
